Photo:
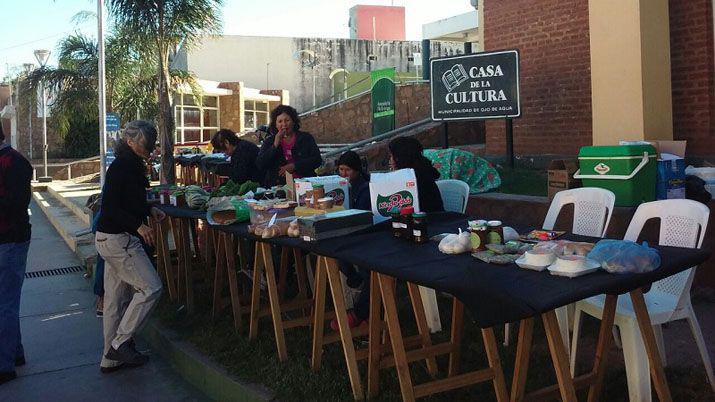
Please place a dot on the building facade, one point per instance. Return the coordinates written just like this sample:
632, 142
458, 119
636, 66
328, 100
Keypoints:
315, 71
596, 72
377, 22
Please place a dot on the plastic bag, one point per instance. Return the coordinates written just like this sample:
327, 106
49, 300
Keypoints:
456, 243
625, 257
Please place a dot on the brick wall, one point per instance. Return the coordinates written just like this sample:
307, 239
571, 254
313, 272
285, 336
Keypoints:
691, 53
552, 37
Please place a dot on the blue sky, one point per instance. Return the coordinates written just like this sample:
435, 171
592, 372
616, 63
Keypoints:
36, 24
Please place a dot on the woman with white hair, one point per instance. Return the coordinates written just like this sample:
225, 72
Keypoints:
129, 277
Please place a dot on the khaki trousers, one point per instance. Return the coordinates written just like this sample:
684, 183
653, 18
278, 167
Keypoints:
131, 288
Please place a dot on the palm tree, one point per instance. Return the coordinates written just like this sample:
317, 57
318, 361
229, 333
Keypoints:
74, 84
166, 25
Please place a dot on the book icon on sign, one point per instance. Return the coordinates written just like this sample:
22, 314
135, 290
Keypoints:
453, 77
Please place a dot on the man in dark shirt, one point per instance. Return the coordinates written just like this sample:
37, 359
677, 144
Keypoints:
243, 155
15, 176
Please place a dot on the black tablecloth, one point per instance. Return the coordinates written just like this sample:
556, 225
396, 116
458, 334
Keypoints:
494, 294
219, 166
182, 212
188, 160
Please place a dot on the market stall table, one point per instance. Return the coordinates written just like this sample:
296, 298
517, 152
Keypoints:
189, 171
182, 222
213, 168
496, 295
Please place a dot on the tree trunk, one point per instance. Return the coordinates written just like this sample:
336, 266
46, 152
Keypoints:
167, 174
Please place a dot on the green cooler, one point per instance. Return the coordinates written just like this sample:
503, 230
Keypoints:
627, 170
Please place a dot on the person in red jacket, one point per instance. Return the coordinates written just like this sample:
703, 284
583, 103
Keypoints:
15, 176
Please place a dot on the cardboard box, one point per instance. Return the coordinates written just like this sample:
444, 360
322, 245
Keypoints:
335, 186
670, 182
560, 175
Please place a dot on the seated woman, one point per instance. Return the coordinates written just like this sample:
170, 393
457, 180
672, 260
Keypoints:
288, 151
405, 152
350, 167
243, 155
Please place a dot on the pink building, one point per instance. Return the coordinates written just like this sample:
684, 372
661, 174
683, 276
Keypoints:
377, 22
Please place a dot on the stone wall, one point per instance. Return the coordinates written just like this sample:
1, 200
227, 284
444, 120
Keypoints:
350, 121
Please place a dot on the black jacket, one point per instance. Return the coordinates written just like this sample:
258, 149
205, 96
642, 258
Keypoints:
306, 157
124, 205
243, 163
429, 196
15, 193
360, 194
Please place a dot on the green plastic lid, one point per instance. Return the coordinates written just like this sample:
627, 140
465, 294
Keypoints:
419, 215
616, 150
318, 186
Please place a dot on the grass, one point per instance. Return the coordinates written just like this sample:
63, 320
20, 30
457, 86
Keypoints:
256, 361
523, 181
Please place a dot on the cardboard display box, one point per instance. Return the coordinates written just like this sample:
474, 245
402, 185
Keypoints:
560, 173
335, 186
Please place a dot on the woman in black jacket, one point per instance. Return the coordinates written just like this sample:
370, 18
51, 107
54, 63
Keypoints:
406, 153
289, 150
131, 284
243, 155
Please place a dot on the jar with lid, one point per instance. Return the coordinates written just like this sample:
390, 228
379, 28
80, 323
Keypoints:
396, 223
419, 228
318, 192
406, 220
478, 237
495, 232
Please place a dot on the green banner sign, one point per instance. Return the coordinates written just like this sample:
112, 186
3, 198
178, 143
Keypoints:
383, 100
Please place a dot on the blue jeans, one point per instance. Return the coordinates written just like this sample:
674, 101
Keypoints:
13, 262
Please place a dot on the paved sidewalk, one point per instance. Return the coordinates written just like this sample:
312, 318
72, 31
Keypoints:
63, 338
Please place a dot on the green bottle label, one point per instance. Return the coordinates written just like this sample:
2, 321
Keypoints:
493, 238
476, 241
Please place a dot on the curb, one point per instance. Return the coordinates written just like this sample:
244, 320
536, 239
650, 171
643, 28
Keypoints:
200, 371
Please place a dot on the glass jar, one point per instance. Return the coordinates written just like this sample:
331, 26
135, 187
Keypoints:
495, 232
396, 223
406, 221
419, 228
478, 237
318, 192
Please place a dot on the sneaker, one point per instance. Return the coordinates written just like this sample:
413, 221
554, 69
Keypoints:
353, 322
127, 354
110, 370
20, 361
100, 307
6, 376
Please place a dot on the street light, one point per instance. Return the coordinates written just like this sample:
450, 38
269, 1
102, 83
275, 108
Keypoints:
28, 67
42, 55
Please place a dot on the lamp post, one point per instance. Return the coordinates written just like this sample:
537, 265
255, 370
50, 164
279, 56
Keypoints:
42, 56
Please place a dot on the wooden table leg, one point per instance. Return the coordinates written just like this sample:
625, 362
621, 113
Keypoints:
387, 290
559, 357
336, 288
422, 327
164, 254
232, 279
258, 266
523, 353
656, 365
490, 344
219, 278
274, 300
185, 225
283, 272
375, 337
605, 338
318, 314
456, 337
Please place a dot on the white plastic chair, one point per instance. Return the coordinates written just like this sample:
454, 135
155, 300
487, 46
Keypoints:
455, 195
593, 208
682, 224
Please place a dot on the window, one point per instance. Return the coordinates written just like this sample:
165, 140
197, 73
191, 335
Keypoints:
255, 114
195, 121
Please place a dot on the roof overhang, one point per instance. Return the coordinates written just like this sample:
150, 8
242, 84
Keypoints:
460, 28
